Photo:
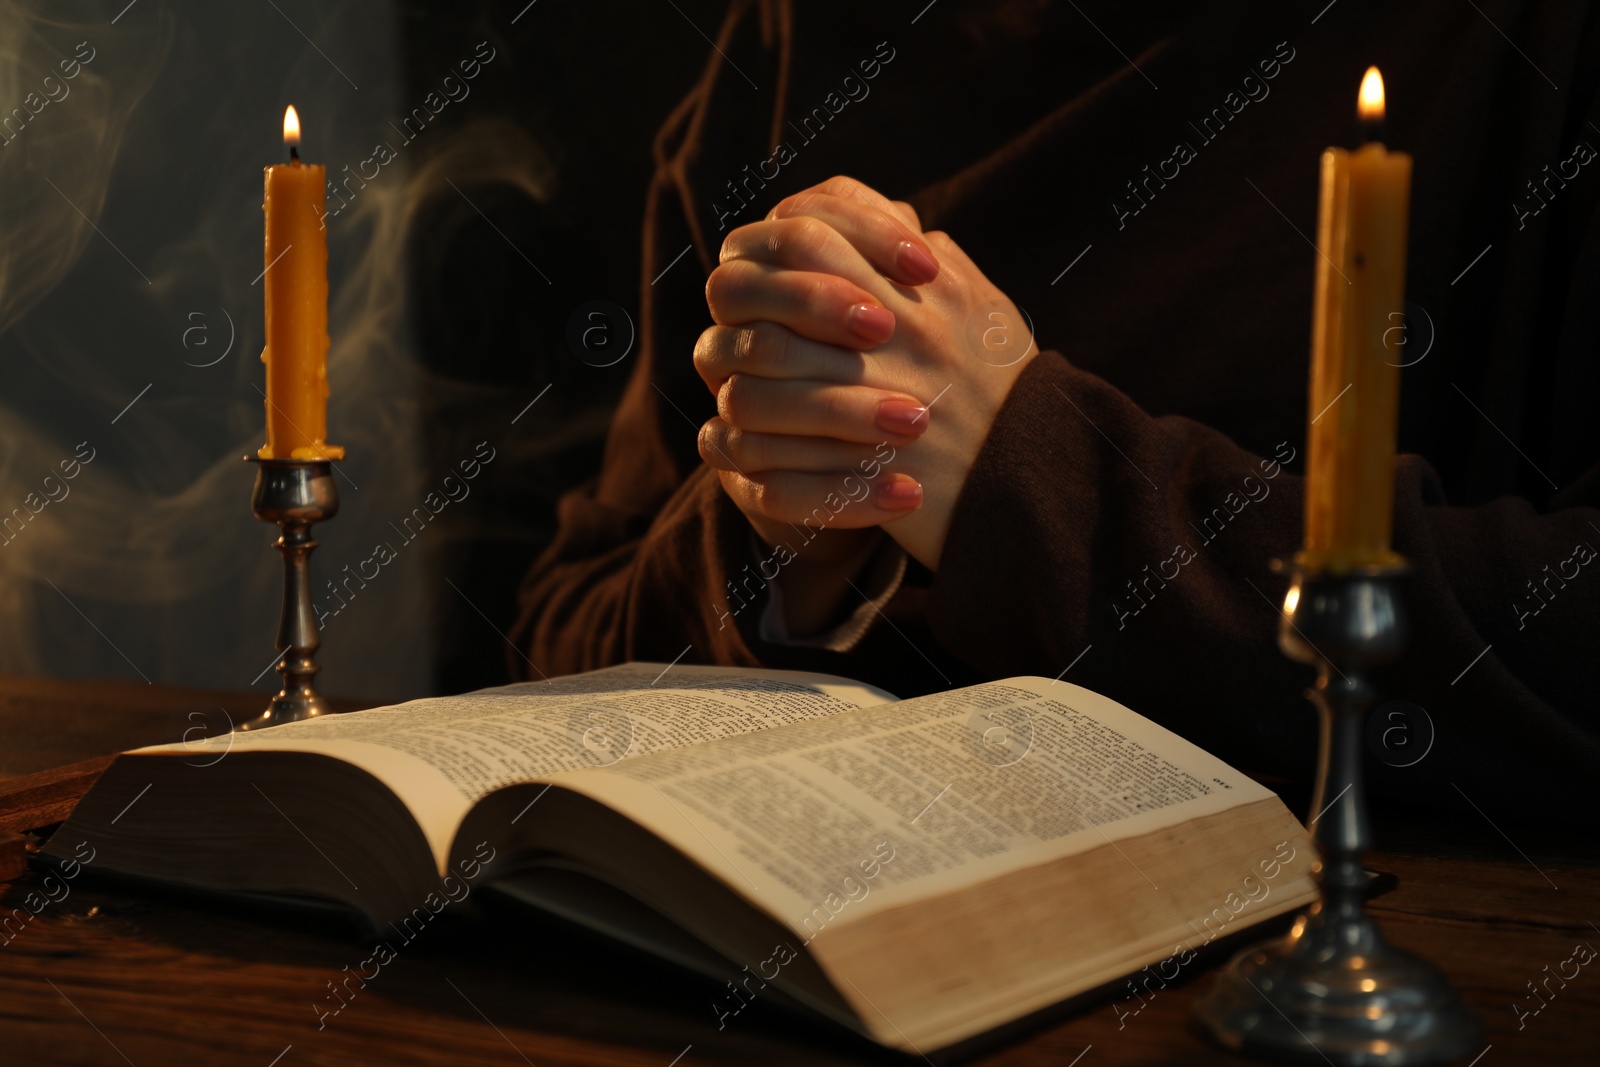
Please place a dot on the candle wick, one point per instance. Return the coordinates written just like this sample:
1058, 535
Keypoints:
294, 153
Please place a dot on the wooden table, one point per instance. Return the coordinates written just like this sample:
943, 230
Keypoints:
113, 976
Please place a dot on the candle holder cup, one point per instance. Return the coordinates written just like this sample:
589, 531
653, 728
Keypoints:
1333, 990
295, 494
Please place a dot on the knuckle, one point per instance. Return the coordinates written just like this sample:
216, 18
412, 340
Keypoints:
775, 343
769, 497
837, 407
842, 185
756, 345
797, 241
735, 445
794, 204
714, 287
739, 239
753, 449
732, 447
745, 343
737, 401
728, 281
819, 291
726, 441
707, 347
707, 442
746, 493
806, 233
760, 495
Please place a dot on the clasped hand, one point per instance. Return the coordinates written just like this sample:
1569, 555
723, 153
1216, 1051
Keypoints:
847, 341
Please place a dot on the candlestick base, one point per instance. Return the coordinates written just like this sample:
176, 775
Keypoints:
295, 494
1333, 990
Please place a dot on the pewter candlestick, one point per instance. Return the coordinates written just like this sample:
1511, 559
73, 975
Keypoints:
294, 493
1333, 990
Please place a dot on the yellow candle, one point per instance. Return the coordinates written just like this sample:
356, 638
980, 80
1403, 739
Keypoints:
296, 283
1355, 377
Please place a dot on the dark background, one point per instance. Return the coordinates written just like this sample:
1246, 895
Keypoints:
133, 206
130, 232
593, 97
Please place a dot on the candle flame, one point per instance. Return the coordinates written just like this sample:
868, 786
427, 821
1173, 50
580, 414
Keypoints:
291, 126
1371, 102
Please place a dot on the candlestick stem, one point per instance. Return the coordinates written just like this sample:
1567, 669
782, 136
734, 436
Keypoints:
1333, 990
295, 494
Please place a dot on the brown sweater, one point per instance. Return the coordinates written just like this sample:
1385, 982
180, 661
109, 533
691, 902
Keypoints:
1163, 431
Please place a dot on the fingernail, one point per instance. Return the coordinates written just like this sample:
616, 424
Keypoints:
906, 418
917, 262
871, 322
899, 492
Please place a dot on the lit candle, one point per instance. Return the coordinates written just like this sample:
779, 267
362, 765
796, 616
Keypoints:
1355, 378
296, 281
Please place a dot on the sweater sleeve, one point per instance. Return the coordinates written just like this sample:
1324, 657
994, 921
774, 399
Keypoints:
1131, 554
621, 584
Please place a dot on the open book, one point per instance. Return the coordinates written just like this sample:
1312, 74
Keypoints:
921, 871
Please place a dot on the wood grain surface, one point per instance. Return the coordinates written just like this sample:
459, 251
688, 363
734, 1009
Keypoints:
114, 974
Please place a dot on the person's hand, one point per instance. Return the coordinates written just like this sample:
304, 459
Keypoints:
821, 500
837, 344
769, 474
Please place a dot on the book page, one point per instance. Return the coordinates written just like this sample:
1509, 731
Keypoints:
867, 810
440, 755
